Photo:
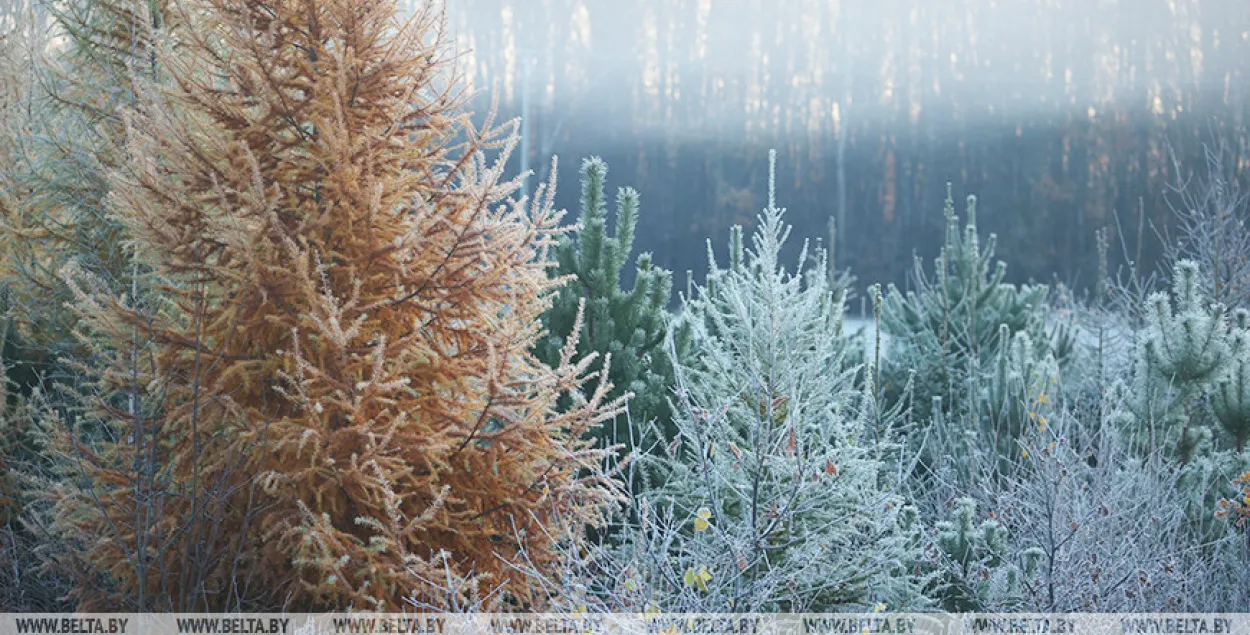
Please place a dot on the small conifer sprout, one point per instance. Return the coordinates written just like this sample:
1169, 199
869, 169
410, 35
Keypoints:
977, 561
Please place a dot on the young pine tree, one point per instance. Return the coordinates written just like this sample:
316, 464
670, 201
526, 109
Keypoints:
979, 352
326, 381
628, 325
774, 491
947, 330
1230, 398
1183, 354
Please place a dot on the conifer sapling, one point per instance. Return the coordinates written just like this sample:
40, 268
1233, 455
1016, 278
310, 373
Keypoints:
629, 325
774, 488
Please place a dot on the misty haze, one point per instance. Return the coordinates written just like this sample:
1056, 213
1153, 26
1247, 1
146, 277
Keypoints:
1061, 115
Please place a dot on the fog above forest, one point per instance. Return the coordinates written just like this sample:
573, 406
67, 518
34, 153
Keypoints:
1059, 109
795, 66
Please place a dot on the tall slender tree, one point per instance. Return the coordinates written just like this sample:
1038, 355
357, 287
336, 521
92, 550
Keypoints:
335, 389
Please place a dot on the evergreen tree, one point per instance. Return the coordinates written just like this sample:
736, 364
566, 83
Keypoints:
627, 325
947, 331
1230, 399
777, 493
1187, 352
978, 351
325, 381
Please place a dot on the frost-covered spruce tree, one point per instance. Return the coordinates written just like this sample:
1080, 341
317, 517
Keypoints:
947, 329
629, 325
775, 499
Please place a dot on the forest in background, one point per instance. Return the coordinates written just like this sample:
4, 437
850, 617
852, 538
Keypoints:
1064, 116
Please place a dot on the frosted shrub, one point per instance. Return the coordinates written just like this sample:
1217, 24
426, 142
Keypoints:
1086, 507
1209, 208
1080, 523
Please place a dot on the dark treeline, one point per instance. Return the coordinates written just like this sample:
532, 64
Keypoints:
1058, 114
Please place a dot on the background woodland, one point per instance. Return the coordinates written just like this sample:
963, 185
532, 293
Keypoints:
1064, 116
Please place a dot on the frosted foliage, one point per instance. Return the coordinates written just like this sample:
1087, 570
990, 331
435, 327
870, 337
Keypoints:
1230, 399
774, 493
1186, 346
1187, 353
1080, 524
976, 559
948, 327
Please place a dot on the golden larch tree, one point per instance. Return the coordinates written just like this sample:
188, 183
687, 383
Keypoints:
324, 387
